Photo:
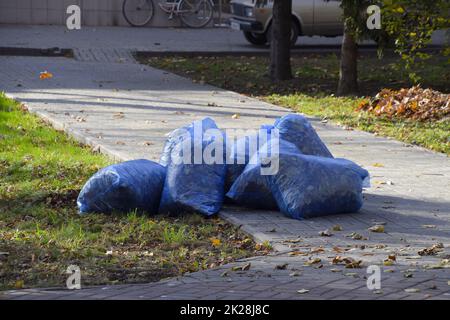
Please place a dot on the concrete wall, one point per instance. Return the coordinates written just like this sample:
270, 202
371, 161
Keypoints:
53, 12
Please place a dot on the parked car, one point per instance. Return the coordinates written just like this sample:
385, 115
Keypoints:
309, 18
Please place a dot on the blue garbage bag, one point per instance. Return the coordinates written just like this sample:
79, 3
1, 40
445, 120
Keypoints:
296, 129
124, 187
176, 135
195, 183
310, 186
241, 150
251, 188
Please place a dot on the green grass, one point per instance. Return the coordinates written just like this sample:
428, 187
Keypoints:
314, 84
41, 233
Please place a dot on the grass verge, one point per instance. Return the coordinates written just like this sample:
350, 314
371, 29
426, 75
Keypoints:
315, 80
41, 234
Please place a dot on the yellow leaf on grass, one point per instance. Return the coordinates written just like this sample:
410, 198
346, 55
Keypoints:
215, 242
19, 284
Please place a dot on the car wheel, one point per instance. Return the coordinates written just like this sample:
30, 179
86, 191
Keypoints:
294, 33
258, 39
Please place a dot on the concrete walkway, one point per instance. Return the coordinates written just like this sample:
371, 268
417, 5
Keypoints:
125, 109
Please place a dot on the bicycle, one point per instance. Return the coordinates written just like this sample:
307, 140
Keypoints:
193, 13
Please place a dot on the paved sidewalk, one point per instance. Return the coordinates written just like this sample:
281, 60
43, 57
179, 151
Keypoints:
125, 109
264, 281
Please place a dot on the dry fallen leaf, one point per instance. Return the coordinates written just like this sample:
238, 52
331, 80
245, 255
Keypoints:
388, 262
351, 274
338, 250
356, 236
298, 253
246, 267
281, 266
19, 284
412, 290
235, 116
45, 75
297, 240
377, 291
378, 165
414, 103
96, 149
317, 250
215, 242
351, 263
413, 257
119, 115
408, 275
313, 261
392, 257
431, 251
336, 260
303, 291
325, 233
377, 228
354, 265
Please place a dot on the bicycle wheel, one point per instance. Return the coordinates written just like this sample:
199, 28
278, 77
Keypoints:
195, 13
137, 12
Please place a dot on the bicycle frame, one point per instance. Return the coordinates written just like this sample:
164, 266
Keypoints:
173, 7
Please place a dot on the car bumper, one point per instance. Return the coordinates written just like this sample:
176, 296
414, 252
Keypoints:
245, 25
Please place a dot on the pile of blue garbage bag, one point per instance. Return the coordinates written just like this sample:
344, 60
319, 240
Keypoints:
290, 170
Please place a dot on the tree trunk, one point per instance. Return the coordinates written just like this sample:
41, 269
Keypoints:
348, 75
280, 45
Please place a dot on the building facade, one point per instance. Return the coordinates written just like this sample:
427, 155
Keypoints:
93, 13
